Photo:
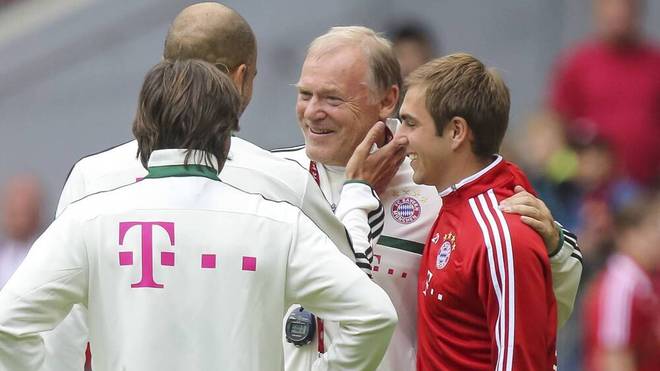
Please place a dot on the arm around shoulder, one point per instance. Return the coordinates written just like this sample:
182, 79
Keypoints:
566, 264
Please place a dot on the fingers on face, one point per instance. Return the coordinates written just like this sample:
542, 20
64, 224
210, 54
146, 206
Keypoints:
377, 131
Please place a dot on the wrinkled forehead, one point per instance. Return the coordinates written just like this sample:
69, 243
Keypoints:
337, 68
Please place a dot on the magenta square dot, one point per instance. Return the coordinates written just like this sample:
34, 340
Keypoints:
249, 263
125, 258
167, 258
376, 268
404, 274
208, 260
390, 271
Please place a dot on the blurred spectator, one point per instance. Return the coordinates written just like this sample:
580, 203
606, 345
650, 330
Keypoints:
622, 310
582, 187
21, 216
551, 166
413, 45
603, 193
610, 87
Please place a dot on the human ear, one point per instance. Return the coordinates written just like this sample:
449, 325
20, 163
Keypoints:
389, 102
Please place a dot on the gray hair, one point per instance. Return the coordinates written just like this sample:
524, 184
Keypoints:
384, 69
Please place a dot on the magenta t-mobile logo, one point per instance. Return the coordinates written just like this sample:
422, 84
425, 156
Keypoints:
166, 257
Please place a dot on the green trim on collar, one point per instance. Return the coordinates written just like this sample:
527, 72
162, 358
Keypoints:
181, 170
398, 243
353, 181
349, 181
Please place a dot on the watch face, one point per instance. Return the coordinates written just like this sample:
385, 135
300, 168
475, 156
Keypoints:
298, 329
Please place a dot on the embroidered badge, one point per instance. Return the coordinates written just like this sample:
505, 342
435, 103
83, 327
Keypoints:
406, 210
444, 253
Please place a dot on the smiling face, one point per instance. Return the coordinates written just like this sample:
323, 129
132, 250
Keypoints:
430, 154
333, 106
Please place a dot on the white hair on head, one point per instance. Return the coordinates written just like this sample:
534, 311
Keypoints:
384, 70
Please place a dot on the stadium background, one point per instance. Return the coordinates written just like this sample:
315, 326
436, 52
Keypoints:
70, 70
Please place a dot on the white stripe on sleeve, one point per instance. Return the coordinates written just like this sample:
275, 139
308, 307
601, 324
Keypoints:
494, 280
504, 278
616, 302
511, 276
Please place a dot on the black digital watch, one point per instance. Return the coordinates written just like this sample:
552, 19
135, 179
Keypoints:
300, 327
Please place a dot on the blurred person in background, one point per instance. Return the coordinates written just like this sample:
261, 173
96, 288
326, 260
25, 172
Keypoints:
622, 311
413, 45
602, 193
22, 200
551, 165
610, 87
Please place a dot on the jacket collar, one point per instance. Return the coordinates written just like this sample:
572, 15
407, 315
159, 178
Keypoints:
472, 178
171, 163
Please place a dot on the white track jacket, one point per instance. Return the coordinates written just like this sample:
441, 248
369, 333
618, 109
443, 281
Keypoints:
181, 271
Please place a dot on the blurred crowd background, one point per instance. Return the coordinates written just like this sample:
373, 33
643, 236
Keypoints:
585, 121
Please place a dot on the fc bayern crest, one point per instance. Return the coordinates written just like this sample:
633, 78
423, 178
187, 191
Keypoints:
444, 253
406, 210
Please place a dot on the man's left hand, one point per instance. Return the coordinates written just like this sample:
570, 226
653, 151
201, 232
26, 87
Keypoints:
535, 214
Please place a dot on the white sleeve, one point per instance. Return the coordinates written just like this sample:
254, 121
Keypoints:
361, 212
566, 266
315, 206
52, 278
66, 344
331, 286
74, 189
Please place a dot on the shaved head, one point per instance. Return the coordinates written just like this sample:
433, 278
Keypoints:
213, 33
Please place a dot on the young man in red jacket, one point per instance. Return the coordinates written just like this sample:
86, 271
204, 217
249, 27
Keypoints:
485, 289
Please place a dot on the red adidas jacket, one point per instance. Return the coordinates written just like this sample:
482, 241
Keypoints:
485, 286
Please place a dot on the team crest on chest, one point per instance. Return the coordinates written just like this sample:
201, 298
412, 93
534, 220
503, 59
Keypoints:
406, 210
444, 253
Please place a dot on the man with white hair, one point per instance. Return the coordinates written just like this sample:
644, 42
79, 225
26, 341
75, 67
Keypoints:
350, 80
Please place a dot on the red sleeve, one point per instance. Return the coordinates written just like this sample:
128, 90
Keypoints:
565, 96
515, 286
